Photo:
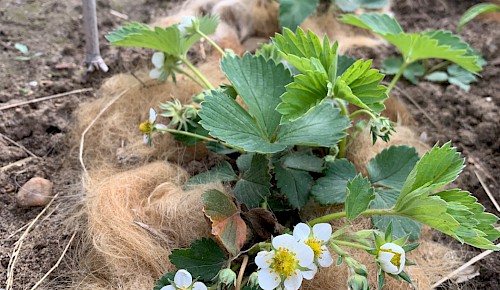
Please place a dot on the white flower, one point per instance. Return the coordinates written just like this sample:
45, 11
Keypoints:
148, 127
285, 264
391, 258
184, 281
316, 240
158, 61
189, 25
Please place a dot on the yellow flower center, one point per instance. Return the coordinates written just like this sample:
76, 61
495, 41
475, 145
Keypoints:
146, 127
315, 245
396, 259
284, 262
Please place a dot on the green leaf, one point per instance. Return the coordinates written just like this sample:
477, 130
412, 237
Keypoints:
359, 196
437, 76
331, 189
401, 226
227, 225
305, 92
253, 187
164, 281
244, 161
295, 184
303, 161
307, 51
391, 167
415, 46
438, 167
260, 83
22, 48
203, 259
391, 65
323, 126
221, 172
344, 62
412, 72
352, 5
360, 85
293, 12
460, 77
474, 11
445, 37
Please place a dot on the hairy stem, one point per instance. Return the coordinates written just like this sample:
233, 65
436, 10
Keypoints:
352, 245
191, 77
181, 132
372, 116
197, 73
211, 42
343, 141
396, 77
338, 215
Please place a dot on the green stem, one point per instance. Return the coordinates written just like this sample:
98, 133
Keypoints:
191, 77
196, 72
396, 77
174, 131
372, 116
338, 215
438, 66
352, 245
343, 141
211, 42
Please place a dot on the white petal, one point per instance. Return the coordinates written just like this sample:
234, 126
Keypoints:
168, 287
158, 59
294, 281
390, 268
268, 279
160, 127
325, 259
310, 273
183, 279
284, 241
152, 115
393, 247
322, 232
199, 286
155, 73
146, 139
304, 253
263, 259
301, 231
384, 257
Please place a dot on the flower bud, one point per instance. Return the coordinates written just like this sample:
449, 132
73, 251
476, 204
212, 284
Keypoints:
381, 128
227, 277
253, 280
391, 258
358, 282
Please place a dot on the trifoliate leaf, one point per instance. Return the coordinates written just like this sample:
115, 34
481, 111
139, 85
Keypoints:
305, 92
476, 10
260, 83
227, 225
253, 187
293, 12
331, 189
164, 281
401, 227
204, 258
300, 49
221, 172
391, 167
359, 196
360, 85
294, 184
415, 46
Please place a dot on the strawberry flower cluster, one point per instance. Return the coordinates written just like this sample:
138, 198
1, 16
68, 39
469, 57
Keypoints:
294, 257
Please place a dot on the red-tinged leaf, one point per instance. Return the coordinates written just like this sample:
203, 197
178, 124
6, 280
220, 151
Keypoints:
227, 225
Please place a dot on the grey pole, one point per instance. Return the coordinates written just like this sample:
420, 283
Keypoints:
93, 58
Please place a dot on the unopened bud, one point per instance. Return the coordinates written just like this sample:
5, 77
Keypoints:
358, 282
227, 277
253, 280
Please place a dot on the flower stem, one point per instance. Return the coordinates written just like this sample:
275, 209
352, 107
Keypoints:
338, 215
396, 77
191, 77
181, 132
197, 73
211, 42
352, 245
372, 116
343, 141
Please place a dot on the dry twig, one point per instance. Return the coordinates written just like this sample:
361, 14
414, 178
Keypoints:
46, 98
18, 145
242, 271
19, 244
492, 198
461, 268
410, 98
56, 264
17, 163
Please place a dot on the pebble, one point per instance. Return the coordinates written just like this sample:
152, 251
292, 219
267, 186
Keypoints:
36, 192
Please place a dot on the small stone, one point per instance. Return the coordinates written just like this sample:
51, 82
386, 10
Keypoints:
36, 192
33, 84
488, 99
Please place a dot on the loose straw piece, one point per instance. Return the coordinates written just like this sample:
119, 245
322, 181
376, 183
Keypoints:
19, 244
18, 145
46, 98
17, 163
242, 271
492, 198
56, 264
461, 268
82, 138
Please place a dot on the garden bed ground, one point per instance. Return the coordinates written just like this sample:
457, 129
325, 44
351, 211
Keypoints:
442, 112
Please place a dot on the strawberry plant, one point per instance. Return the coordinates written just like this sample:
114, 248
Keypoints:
288, 141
